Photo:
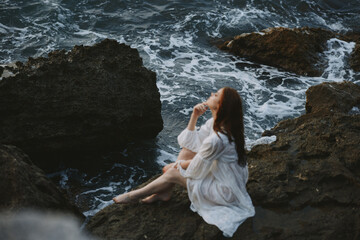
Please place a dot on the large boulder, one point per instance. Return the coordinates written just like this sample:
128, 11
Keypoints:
24, 186
310, 177
92, 98
305, 185
297, 50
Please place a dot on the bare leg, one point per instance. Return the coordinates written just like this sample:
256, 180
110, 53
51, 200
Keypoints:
162, 196
159, 185
185, 154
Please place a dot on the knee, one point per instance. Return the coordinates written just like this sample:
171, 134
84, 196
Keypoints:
171, 174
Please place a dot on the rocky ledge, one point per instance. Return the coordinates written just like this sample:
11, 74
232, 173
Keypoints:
24, 186
92, 98
305, 185
355, 60
298, 50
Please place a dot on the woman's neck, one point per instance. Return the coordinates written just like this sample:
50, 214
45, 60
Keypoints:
213, 112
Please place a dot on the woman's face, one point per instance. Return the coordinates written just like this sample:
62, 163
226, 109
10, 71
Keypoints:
214, 100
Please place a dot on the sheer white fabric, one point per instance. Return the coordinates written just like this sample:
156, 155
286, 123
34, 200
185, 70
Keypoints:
216, 183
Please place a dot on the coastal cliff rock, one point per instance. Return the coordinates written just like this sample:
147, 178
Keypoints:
355, 59
310, 176
92, 98
297, 50
305, 185
24, 186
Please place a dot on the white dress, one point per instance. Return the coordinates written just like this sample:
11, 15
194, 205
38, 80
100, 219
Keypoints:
216, 183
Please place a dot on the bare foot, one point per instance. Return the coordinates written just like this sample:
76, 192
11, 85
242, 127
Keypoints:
165, 196
123, 199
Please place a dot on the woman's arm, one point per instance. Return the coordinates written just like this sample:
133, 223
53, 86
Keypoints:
211, 149
190, 138
199, 109
184, 164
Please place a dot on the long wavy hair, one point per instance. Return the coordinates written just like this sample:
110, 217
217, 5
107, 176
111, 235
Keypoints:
229, 121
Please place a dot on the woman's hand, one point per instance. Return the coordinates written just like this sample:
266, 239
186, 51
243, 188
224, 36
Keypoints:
167, 167
183, 163
199, 109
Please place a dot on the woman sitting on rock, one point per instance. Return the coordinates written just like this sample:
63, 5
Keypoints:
211, 165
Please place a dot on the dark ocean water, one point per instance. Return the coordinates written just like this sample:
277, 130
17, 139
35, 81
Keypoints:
175, 39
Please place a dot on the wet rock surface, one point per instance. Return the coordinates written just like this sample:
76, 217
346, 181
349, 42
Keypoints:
298, 50
311, 174
355, 59
305, 185
92, 98
24, 186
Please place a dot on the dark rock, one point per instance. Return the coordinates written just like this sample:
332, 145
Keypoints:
355, 57
326, 97
311, 174
88, 99
167, 220
297, 50
24, 186
305, 185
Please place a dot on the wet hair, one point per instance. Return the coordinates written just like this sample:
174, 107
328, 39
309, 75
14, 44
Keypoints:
229, 121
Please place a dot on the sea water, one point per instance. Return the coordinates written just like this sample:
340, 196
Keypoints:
176, 40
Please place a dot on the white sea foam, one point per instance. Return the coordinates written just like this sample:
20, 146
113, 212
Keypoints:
108, 189
165, 158
63, 175
262, 140
188, 68
186, 111
354, 111
337, 56
102, 204
82, 32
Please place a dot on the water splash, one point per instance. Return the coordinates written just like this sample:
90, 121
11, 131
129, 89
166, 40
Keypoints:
337, 56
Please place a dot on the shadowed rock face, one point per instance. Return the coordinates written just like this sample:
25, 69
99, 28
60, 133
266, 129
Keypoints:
89, 99
305, 185
355, 60
311, 174
296, 50
24, 186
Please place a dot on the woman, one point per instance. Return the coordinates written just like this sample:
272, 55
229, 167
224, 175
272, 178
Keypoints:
211, 165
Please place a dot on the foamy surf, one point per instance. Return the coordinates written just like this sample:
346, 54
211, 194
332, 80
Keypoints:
173, 38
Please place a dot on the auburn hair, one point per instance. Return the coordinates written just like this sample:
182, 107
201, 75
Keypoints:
229, 121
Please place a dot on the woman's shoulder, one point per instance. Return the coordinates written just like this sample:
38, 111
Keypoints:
209, 123
217, 138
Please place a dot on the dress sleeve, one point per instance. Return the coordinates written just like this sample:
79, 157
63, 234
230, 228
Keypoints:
192, 140
200, 165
